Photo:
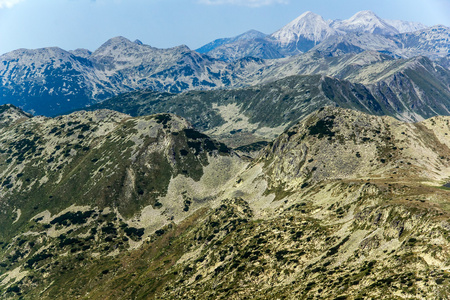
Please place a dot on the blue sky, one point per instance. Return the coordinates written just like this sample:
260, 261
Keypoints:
71, 24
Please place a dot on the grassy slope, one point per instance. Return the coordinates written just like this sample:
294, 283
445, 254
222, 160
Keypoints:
362, 230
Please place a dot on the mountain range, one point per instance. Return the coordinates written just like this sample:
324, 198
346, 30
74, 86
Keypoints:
310, 163
363, 31
407, 89
51, 81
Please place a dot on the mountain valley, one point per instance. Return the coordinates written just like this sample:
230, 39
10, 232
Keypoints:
409, 90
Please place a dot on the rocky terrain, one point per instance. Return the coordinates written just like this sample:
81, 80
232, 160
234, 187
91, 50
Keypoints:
311, 163
409, 90
249, 35
52, 81
364, 31
340, 205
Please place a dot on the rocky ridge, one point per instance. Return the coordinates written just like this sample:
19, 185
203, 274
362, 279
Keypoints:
364, 31
342, 204
51, 81
409, 90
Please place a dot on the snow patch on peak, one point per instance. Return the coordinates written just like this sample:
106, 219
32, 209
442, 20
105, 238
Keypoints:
365, 21
309, 26
405, 26
364, 14
308, 14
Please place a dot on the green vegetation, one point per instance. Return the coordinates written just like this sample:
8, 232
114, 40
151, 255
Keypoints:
139, 208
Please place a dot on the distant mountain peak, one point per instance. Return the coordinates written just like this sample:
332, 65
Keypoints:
365, 21
81, 52
248, 35
440, 26
308, 25
365, 16
117, 40
251, 34
364, 13
181, 48
308, 14
116, 44
406, 26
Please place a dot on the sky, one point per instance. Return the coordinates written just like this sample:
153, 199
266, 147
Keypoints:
71, 24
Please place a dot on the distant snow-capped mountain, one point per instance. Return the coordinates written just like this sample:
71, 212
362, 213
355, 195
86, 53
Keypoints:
365, 22
405, 26
363, 31
51, 80
307, 28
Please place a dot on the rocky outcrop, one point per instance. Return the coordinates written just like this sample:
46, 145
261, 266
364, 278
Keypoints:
341, 205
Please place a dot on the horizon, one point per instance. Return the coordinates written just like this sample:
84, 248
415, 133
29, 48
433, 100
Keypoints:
87, 24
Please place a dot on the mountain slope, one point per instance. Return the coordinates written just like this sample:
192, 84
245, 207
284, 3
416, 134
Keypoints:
337, 236
100, 159
51, 81
433, 42
303, 33
365, 22
251, 114
249, 35
29, 77
342, 204
409, 90
259, 48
